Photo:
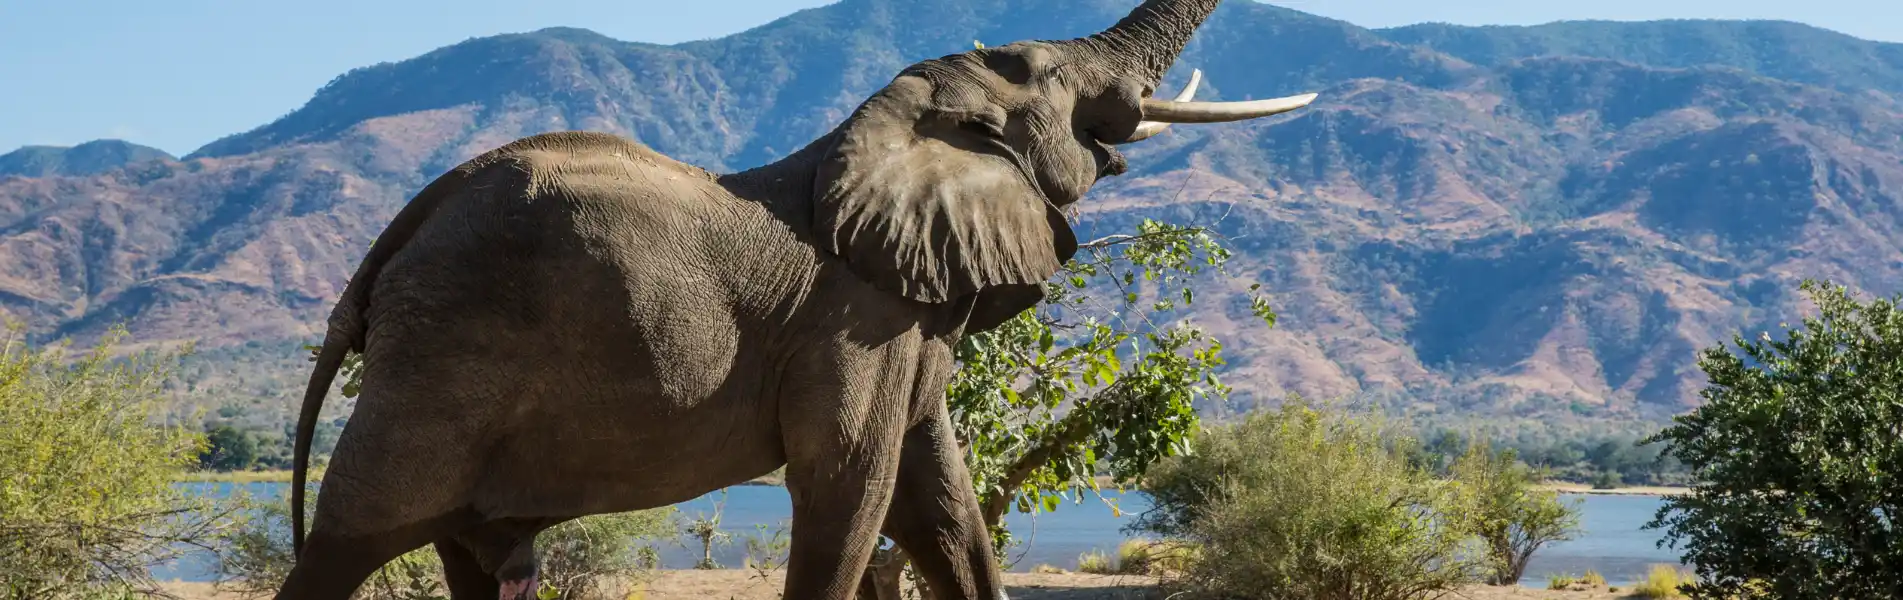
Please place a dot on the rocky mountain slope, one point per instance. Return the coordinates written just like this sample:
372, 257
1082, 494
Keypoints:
90, 158
1516, 221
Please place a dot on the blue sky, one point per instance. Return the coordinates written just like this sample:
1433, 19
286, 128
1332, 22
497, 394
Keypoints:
177, 74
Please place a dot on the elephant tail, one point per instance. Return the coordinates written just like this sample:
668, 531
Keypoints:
329, 359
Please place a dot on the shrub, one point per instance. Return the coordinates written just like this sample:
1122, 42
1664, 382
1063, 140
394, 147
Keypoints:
228, 449
767, 548
1095, 562
1663, 581
1591, 580
1295, 504
1511, 517
1153, 557
705, 529
1557, 581
580, 558
1797, 459
86, 472
1605, 481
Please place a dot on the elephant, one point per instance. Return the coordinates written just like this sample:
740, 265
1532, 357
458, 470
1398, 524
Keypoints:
574, 323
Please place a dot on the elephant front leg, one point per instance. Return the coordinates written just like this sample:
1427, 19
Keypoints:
936, 519
840, 465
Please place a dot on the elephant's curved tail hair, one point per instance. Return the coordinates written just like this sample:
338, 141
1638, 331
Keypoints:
347, 329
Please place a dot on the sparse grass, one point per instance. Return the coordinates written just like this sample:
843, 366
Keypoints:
1593, 578
1153, 557
1559, 581
1567, 581
1661, 582
1048, 570
1095, 562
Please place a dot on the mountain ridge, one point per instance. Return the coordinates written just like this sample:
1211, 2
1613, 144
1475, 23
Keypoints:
1514, 235
1780, 49
87, 158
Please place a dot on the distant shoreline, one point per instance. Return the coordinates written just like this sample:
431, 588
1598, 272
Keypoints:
775, 480
1639, 490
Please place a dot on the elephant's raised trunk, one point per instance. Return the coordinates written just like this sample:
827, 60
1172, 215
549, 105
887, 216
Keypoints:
1150, 38
1155, 33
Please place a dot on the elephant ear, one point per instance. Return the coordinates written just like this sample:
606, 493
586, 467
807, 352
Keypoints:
933, 217
995, 305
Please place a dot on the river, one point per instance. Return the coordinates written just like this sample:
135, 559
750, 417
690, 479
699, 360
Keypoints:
1613, 542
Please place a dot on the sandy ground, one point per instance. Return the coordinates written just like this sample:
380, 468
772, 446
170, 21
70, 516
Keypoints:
743, 585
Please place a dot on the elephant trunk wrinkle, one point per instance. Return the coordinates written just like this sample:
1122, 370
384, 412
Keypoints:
1154, 33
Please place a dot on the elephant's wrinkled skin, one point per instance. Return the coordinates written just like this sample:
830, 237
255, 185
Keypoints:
574, 324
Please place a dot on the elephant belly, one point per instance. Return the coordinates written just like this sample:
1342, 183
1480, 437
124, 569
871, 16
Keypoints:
658, 406
553, 467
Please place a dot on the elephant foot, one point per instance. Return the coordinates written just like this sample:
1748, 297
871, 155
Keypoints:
518, 589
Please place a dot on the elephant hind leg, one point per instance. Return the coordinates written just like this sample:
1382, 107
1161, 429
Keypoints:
464, 573
333, 566
517, 576
399, 480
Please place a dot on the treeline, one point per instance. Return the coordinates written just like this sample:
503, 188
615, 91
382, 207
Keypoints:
1601, 460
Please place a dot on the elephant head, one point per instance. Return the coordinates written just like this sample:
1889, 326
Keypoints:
950, 179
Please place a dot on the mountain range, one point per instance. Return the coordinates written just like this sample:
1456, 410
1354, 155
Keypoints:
1531, 221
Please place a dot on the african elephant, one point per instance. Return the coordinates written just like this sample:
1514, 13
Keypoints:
575, 324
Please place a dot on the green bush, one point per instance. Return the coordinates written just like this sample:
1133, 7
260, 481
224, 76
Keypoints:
1502, 508
1662, 581
228, 449
1295, 503
86, 471
1095, 562
1153, 557
581, 559
587, 557
1798, 458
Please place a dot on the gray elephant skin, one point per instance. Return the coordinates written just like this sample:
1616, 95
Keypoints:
574, 324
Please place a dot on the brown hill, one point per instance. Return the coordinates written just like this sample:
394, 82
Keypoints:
1542, 236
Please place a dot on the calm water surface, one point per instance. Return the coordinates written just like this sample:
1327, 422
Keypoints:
1614, 542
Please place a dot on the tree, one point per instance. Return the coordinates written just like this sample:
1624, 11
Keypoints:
1504, 510
1796, 451
228, 449
86, 499
1096, 380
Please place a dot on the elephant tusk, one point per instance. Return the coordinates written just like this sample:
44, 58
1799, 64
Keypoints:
1220, 112
1147, 129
